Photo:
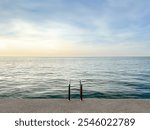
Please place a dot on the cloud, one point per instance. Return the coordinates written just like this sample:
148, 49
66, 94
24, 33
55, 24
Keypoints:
80, 27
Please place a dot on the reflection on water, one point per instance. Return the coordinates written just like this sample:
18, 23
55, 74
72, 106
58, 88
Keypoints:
105, 77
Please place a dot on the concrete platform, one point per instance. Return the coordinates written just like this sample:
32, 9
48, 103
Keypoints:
74, 106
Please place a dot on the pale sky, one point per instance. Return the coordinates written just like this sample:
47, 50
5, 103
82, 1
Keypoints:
74, 28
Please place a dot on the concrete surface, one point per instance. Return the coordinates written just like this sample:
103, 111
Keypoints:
74, 106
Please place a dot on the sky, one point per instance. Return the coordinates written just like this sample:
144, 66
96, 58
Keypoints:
66, 28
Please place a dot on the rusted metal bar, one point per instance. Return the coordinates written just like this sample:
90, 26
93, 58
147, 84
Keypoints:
69, 90
81, 91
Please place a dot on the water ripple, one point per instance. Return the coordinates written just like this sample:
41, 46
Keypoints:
48, 77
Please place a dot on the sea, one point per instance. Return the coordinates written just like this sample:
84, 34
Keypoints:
102, 77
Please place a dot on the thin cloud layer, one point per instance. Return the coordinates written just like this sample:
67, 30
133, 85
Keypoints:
75, 28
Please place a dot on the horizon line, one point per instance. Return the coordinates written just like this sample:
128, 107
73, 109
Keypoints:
73, 56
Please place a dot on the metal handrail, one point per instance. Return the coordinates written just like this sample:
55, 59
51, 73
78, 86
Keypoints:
69, 90
81, 90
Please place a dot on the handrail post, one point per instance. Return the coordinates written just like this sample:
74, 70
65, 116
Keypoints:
81, 91
69, 90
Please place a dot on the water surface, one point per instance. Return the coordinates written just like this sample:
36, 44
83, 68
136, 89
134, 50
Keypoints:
103, 77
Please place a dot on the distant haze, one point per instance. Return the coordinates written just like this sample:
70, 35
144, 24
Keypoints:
74, 28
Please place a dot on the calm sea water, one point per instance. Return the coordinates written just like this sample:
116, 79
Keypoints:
107, 77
